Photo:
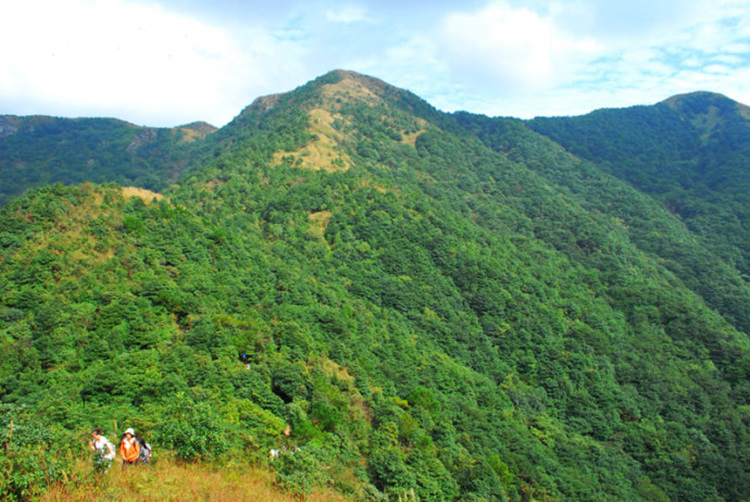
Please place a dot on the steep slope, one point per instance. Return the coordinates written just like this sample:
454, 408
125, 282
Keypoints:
417, 310
647, 222
691, 152
36, 151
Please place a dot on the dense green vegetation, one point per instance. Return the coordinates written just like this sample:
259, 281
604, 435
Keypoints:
467, 312
689, 152
36, 151
696, 258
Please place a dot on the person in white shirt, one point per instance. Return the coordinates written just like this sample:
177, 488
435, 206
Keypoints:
105, 450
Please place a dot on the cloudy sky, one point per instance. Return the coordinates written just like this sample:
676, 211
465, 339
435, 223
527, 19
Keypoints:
169, 62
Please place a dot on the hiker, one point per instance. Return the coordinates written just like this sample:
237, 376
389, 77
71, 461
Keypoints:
129, 449
145, 455
105, 450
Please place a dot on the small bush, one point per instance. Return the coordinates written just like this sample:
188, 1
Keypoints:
300, 472
193, 430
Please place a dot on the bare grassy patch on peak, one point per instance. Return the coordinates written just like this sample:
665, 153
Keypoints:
323, 152
348, 89
190, 135
195, 131
322, 123
146, 195
354, 87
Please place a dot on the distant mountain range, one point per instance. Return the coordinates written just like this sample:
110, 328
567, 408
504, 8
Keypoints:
37, 150
432, 306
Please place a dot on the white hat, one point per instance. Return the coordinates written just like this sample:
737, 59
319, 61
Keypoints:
130, 431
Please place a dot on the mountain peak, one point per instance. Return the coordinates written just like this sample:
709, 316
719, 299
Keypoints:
375, 85
353, 87
323, 100
696, 96
706, 103
337, 84
709, 111
326, 111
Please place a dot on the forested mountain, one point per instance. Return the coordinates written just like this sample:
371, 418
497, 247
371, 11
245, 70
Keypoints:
690, 152
444, 305
36, 151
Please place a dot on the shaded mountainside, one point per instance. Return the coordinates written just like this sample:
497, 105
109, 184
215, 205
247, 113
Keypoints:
690, 152
696, 258
448, 305
36, 151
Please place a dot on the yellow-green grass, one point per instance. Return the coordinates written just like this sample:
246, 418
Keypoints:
168, 480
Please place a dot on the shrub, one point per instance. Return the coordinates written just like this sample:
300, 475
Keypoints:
193, 430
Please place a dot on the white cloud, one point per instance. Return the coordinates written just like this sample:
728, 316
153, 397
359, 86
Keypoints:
160, 64
111, 57
509, 49
555, 58
737, 48
717, 69
731, 59
347, 14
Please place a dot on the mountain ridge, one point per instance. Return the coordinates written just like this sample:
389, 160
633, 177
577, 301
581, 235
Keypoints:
688, 153
39, 150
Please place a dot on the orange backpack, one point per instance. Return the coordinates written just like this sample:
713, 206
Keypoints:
129, 449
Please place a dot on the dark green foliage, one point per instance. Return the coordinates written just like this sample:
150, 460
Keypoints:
467, 312
690, 153
300, 471
36, 151
33, 456
194, 431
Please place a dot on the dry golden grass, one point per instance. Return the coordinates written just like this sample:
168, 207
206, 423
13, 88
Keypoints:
411, 138
146, 195
319, 222
331, 369
350, 88
191, 134
322, 153
169, 481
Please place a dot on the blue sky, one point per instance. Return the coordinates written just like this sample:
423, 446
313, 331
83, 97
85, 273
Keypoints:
169, 62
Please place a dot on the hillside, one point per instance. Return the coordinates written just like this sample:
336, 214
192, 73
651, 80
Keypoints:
37, 151
690, 152
439, 304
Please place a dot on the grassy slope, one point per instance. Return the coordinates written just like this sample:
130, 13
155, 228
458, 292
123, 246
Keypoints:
168, 480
